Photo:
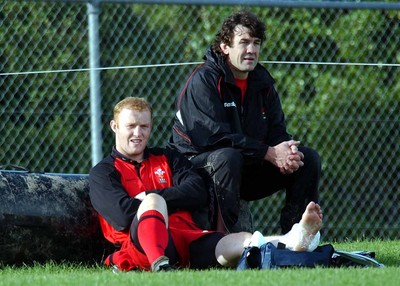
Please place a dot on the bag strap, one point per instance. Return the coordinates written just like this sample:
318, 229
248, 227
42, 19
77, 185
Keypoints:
342, 258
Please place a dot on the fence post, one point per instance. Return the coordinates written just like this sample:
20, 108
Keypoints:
95, 96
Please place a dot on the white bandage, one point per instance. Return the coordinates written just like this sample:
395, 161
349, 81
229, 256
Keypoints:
299, 237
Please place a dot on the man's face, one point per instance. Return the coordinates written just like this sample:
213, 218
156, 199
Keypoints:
132, 131
243, 53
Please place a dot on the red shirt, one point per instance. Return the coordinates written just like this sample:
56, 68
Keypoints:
242, 84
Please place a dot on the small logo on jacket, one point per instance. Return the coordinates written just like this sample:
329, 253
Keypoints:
230, 104
160, 173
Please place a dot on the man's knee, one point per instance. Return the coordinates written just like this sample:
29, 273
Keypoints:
226, 158
311, 157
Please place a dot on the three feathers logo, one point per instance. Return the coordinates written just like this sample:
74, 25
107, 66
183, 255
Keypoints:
160, 173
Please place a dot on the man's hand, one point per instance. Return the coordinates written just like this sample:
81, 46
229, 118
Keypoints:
285, 156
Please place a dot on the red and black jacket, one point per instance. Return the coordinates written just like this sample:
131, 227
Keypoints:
116, 180
210, 115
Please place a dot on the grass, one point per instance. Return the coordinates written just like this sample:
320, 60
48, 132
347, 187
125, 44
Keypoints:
387, 252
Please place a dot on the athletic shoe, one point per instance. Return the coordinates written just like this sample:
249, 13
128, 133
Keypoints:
167, 268
161, 264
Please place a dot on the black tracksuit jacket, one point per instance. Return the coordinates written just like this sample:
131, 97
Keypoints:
209, 113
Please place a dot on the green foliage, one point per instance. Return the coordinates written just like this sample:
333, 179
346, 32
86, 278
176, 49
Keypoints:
40, 39
333, 101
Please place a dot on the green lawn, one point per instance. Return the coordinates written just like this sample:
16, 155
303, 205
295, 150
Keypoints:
387, 252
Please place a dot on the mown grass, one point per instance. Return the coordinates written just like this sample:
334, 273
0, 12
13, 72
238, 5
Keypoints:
387, 252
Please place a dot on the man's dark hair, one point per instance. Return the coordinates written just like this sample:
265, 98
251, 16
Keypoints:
244, 18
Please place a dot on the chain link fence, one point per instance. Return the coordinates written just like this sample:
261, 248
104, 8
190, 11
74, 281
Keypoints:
337, 72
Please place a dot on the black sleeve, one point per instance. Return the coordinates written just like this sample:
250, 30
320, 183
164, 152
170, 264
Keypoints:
109, 197
188, 191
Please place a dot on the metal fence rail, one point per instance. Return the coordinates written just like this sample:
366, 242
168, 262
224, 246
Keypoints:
336, 68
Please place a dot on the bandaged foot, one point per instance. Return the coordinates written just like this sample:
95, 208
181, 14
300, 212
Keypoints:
305, 235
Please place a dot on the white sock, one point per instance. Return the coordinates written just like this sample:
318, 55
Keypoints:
257, 239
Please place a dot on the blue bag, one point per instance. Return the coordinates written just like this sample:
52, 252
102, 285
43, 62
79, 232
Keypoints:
267, 256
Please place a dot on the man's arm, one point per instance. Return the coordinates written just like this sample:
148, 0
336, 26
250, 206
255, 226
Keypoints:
109, 197
189, 190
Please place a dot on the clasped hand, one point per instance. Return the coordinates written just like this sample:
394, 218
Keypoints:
286, 156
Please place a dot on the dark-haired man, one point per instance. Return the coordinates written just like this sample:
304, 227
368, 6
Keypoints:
229, 122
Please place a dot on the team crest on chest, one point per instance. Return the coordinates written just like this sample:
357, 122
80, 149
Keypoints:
160, 173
